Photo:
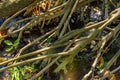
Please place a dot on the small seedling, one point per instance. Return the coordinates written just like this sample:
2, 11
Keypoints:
48, 41
11, 45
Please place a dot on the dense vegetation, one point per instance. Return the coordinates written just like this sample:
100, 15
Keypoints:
59, 39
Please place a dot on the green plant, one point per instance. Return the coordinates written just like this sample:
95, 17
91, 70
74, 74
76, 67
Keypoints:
39, 78
27, 71
23, 72
11, 45
15, 73
48, 41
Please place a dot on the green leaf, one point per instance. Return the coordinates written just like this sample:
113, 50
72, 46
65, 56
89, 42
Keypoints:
16, 42
39, 78
33, 65
23, 73
16, 73
105, 63
12, 75
99, 68
8, 42
61, 60
48, 40
29, 69
9, 49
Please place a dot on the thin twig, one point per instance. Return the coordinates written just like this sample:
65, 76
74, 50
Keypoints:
68, 19
110, 63
49, 65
